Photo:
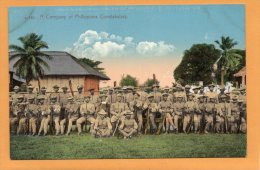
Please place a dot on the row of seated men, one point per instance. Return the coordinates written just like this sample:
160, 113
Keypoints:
189, 112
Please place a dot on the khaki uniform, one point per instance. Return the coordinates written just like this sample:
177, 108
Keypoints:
55, 109
32, 111
128, 127
210, 108
45, 112
72, 111
87, 111
93, 99
117, 110
166, 109
19, 117
178, 109
136, 106
190, 108
152, 109
223, 112
102, 127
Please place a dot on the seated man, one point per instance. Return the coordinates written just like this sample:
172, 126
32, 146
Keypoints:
102, 125
128, 126
87, 111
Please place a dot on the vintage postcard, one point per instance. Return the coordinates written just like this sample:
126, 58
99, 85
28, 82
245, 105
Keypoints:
147, 82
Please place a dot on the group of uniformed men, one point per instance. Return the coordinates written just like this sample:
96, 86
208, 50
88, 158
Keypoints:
128, 111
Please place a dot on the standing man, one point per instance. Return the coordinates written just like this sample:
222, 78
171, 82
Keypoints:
56, 93
178, 108
210, 110
71, 110
190, 107
136, 106
92, 97
54, 109
31, 111
102, 125
87, 111
165, 108
128, 126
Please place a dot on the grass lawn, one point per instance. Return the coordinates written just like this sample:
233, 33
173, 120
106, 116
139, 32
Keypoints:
148, 146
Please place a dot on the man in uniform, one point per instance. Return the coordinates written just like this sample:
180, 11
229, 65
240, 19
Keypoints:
178, 109
54, 109
30, 93
190, 108
210, 109
56, 93
15, 94
19, 117
136, 106
211, 93
199, 115
102, 125
87, 111
46, 96
71, 110
234, 117
128, 126
165, 108
92, 97
117, 110
223, 111
31, 111
43, 110
151, 108
79, 97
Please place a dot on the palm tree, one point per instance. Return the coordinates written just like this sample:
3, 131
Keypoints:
228, 59
30, 64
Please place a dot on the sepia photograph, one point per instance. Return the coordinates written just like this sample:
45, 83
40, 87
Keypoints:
127, 82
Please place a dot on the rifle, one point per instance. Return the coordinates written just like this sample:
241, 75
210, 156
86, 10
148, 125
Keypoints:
52, 121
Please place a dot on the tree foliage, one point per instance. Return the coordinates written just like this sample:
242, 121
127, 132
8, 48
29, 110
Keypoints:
93, 64
30, 64
128, 80
196, 64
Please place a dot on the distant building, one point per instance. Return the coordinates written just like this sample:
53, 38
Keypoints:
63, 67
241, 77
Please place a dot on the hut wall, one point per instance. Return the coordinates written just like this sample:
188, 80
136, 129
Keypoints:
91, 82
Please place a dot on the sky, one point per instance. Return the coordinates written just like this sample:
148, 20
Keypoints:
135, 40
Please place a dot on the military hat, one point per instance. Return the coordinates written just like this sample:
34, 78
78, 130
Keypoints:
118, 95
150, 95
156, 85
187, 86
40, 97
16, 87
31, 97
70, 98
30, 87
43, 88
79, 87
56, 86
128, 112
102, 112
165, 94
196, 87
20, 97
53, 97
223, 96
190, 94
64, 87
211, 84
